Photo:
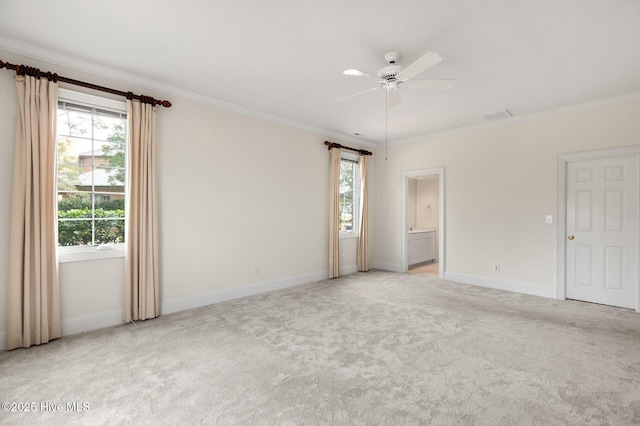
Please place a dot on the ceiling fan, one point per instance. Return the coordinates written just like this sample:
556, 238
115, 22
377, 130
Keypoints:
392, 77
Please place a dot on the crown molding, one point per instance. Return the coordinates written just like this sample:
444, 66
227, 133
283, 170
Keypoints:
67, 61
60, 59
564, 110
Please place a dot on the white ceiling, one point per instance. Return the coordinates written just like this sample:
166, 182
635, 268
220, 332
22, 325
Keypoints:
286, 57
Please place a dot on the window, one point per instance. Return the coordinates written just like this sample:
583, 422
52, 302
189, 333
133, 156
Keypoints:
349, 195
91, 175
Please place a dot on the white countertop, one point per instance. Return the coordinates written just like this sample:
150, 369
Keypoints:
418, 231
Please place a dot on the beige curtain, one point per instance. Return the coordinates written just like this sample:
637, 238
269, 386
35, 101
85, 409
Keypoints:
33, 301
334, 213
142, 281
363, 241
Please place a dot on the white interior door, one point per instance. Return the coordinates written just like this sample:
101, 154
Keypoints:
602, 221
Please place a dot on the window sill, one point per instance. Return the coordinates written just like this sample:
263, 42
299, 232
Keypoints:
79, 254
348, 235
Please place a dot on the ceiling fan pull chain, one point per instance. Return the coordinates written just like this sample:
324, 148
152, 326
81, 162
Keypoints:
386, 124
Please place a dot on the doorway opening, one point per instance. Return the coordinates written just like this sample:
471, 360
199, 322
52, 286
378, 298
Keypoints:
423, 237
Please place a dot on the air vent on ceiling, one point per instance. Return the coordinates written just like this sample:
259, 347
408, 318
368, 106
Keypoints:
497, 115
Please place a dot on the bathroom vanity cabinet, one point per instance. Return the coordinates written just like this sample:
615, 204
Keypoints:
422, 245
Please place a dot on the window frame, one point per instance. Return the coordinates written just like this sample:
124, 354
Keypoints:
355, 159
104, 251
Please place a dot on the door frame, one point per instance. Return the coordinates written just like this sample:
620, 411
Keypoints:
437, 171
561, 214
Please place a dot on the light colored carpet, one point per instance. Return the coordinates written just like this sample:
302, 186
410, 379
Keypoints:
365, 349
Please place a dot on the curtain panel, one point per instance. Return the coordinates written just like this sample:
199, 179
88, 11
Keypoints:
334, 213
363, 240
142, 272
33, 295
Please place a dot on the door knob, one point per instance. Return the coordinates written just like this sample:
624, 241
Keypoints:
571, 237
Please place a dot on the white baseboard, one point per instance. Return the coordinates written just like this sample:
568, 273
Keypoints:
516, 287
92, 322
349, 269
80, 325
387, 266
178, 305
108, 319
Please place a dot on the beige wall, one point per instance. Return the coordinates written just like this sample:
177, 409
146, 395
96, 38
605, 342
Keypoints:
235, 193
427, 198
500, 183
427, 203
412, 202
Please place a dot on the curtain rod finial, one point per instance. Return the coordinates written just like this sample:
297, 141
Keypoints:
165, 104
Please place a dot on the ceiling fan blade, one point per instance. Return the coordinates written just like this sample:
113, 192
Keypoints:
358, 73
421, 64
359, 93
430, 84
393, 98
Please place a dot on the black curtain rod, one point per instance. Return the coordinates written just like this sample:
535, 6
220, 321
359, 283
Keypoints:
331, 145
35, 72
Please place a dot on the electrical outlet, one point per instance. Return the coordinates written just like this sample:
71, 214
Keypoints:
496, 268
256, 271
341, 256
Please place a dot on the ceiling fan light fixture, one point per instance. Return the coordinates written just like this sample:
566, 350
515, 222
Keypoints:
390, 71
393, 76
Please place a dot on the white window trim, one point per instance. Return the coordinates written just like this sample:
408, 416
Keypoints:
91, 100
104, 251
82, 253
354, 233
